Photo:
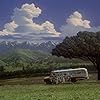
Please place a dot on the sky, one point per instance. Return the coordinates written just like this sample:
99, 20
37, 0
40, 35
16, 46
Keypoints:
44, 20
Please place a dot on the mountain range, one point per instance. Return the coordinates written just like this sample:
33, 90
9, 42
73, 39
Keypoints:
16, 55
44, 47
25, 52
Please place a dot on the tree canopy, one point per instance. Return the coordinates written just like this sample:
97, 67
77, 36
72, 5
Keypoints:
85, 45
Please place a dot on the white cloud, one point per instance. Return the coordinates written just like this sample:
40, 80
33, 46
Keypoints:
25, 14
76, 20
76, 23
23, 23
10, 27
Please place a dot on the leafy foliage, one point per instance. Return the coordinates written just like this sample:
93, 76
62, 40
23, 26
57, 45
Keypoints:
86, 46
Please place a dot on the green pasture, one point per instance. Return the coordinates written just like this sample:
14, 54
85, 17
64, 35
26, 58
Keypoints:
70, 91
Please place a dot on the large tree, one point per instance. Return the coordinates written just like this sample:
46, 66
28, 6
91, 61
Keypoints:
85, 45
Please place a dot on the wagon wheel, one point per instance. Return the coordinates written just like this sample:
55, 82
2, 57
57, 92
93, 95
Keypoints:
73, 80
47, 81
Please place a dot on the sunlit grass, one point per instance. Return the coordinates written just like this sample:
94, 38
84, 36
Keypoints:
78, 91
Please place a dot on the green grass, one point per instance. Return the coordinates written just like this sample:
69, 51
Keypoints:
78, 91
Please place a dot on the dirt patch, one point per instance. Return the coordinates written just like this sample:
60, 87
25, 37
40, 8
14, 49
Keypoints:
23, 81
37, 80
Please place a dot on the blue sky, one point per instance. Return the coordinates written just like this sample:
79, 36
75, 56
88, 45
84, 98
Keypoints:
55, 11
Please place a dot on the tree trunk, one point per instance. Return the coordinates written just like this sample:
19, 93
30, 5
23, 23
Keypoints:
98, 66
98, 73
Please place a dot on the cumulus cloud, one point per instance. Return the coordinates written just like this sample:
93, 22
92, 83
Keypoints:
25, 14
76, 23
23, 23
76, 20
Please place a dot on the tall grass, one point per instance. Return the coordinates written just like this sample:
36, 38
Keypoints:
83, 91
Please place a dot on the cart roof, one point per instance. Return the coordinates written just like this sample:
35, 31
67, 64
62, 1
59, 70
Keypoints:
64, 70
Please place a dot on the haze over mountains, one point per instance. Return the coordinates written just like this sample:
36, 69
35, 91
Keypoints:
23, 38
43, 47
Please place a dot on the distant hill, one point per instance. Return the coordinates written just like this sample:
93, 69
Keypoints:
22, 55
16, 56
25, 52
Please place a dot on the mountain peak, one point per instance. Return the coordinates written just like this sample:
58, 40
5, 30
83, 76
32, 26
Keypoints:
44, 46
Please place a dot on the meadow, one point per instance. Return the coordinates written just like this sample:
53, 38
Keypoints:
27, 89
86, 91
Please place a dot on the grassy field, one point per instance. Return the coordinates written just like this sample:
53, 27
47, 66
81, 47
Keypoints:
78, 91
33, 88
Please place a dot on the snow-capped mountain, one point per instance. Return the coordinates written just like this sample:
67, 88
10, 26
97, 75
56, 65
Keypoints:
45, 46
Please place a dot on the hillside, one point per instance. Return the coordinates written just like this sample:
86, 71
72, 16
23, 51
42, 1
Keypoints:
18, 59
23, 56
